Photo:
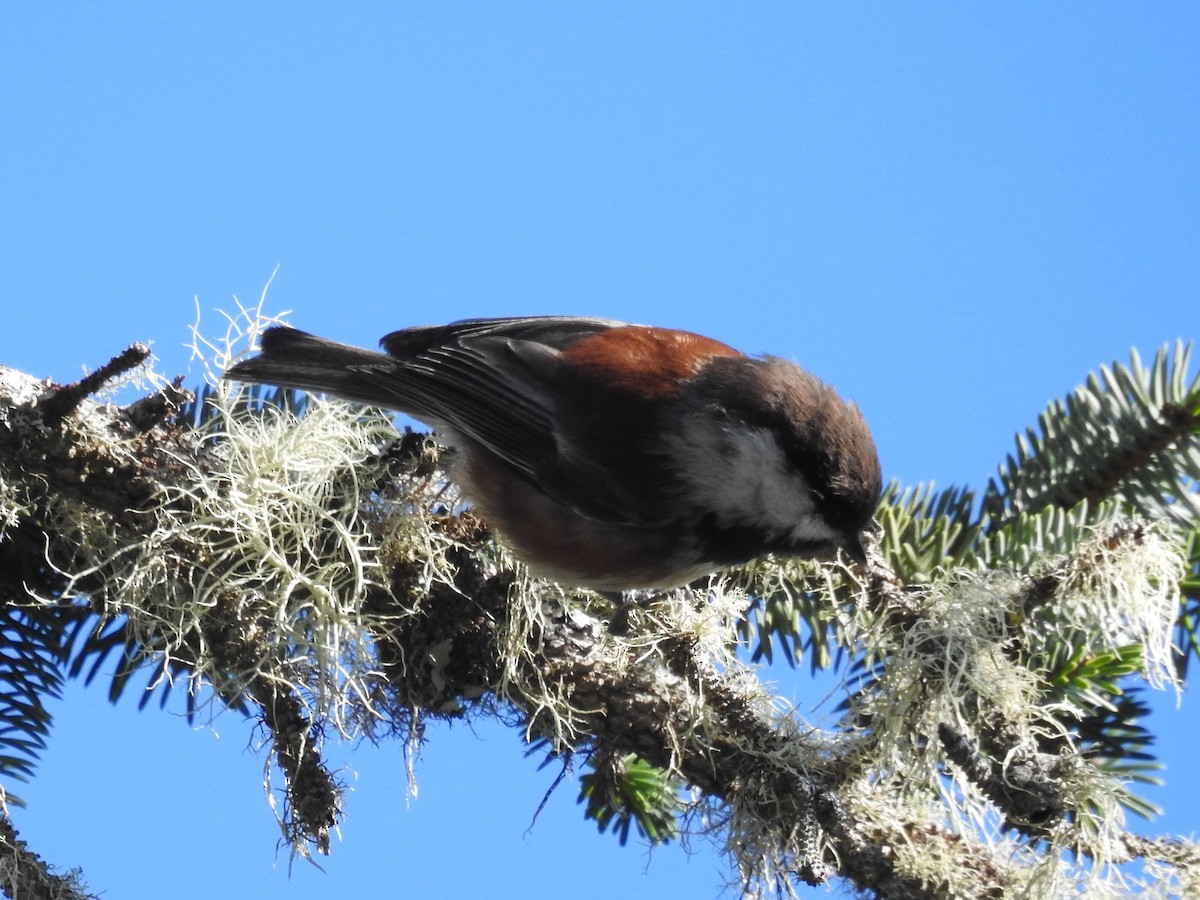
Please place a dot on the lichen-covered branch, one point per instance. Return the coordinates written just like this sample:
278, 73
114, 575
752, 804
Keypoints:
322, 570
83, 500
25, 875
791, 800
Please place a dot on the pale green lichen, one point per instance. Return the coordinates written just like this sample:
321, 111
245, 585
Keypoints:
277, 522
952, 663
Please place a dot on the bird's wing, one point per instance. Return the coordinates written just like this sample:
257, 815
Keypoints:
491, 379
552, 331
497, 382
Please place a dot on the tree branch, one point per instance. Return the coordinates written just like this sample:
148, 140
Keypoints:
25, 876
799, 805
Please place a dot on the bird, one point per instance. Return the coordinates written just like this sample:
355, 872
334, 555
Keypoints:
614, 456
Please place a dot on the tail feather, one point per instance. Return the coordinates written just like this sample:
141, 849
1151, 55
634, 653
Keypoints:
297, 359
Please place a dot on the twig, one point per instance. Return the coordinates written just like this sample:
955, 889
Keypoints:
60, 402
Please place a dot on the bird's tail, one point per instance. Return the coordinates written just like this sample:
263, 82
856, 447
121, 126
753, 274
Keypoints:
297, 359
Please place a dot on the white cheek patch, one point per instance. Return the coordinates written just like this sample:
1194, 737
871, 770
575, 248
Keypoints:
745, 478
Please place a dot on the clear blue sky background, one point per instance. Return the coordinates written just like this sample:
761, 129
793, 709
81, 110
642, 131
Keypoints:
951, 211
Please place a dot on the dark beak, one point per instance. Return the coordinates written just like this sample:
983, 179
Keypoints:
854, 547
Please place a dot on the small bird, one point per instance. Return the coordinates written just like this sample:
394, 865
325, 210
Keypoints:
614, 456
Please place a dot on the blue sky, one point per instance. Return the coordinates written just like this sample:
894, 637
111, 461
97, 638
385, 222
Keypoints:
950, 211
